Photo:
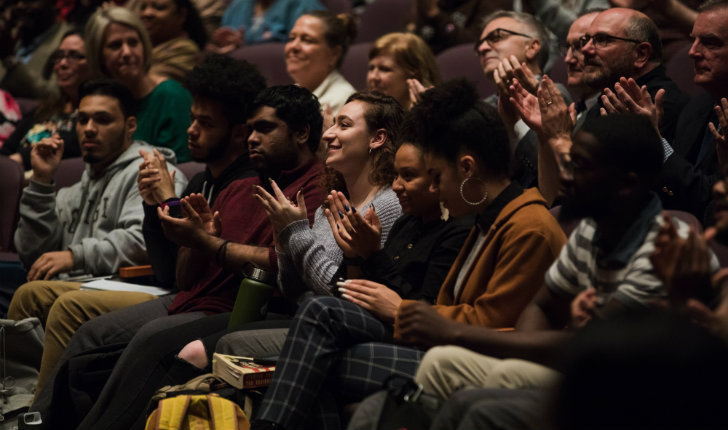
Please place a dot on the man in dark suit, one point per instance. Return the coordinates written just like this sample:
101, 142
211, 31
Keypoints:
690, 172
626, 43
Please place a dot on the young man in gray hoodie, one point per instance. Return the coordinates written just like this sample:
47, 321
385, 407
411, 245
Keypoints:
93, 227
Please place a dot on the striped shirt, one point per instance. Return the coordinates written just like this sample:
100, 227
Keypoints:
632, 283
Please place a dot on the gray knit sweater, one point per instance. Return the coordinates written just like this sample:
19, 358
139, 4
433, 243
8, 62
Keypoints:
308, 258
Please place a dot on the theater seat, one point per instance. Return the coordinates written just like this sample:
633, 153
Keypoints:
69, 172
461, 61
191, 168
337, 6
354, 67
11, 186
268, 57
382, 17
680, 69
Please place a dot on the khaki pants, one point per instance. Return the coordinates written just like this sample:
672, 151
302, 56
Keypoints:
63, 307
446, 369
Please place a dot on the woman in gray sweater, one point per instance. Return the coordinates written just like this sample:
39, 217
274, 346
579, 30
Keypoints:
359, 162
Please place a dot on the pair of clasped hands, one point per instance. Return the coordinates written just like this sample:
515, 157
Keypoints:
358, 237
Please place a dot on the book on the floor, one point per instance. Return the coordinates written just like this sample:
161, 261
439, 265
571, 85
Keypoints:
241, 372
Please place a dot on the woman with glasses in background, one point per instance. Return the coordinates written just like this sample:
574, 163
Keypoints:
55, 114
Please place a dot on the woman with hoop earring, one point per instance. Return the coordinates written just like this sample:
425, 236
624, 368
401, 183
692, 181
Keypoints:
338, 352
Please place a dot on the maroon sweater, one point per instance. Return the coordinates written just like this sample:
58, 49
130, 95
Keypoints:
244, 221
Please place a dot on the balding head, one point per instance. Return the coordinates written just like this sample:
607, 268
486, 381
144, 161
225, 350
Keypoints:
624, 42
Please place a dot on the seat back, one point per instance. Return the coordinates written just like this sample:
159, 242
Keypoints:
680, 69
382, 17
191, 168
269, 59
11, 186
558, 71
461, 62
568, 226
69, 172
337, 6
354, 67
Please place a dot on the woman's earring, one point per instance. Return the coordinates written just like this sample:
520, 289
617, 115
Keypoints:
462, 194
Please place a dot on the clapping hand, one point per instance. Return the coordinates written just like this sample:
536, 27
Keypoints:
199, 221
155, 181
357, 236
281, 211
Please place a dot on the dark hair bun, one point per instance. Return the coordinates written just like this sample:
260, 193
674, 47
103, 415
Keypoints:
349, 24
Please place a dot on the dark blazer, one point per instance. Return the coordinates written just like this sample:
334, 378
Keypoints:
686, 183
674, 101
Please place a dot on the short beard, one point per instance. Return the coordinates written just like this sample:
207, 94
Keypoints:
216, 152
90, 159
607, 78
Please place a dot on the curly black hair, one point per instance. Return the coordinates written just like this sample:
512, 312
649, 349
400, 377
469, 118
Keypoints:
450, 119
234, 83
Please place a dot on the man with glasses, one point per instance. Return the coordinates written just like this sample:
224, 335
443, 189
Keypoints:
515, 45
626, 43
574, 59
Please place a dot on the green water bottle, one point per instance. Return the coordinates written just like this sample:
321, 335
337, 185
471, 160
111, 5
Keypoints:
255, 291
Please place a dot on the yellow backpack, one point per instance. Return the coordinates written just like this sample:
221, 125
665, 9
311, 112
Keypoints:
197, 412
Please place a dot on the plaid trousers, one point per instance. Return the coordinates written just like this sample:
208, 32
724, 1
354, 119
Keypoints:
335, 352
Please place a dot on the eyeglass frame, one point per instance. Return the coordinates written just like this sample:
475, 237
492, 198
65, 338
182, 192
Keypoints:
489, 35
72, 56
605, 38
564, 48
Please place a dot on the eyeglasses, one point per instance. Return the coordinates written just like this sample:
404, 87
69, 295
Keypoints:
71, 56
601, 40
565, 47
497, 35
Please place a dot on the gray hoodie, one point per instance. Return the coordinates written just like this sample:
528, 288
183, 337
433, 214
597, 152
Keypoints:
98, 219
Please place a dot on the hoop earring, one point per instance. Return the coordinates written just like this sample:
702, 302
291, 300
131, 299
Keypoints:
462, 195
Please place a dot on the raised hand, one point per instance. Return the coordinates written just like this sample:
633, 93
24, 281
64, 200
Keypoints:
721, 142
527, 106
416, 89
628, 97
155, 181
281, 211
682, 264
357, 236
226, 40
45, 157
210, 221
556, 118
191, 230
583, 307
